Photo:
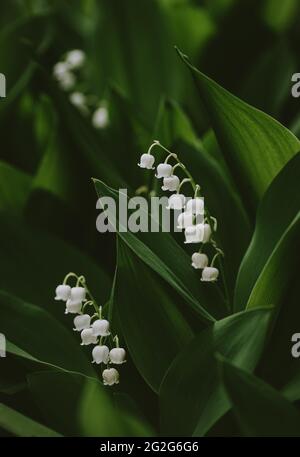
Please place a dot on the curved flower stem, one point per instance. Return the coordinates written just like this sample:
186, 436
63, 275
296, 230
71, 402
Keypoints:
116, 341
69, 275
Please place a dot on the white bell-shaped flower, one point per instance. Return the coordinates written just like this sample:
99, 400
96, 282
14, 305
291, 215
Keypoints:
88, 337
100, 118
176, 201
146, 161
101, 327
78, 294
75, 58
59, 69
194, 234
171, 183
207, 233
78, 99
210, 274
199, 260
66, 80
195, 205
110, 376
117, 356
63, 292
100, 354
81, 322
164, 170
73, 307
185, 220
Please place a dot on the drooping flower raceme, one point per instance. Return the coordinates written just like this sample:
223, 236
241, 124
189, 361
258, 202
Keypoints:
198, 225
69, 76
93, 328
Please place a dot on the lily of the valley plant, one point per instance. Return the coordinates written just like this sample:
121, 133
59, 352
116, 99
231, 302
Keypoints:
198, 225
66, 74
94, 328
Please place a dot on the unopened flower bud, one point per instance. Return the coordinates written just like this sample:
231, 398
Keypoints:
210, 274
110, 376
207, 233
117, 356
199, 260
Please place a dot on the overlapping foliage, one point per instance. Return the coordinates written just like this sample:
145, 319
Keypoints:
194, 367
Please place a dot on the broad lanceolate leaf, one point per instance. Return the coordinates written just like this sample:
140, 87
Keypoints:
161, 253
154, 329
20, 425
255, 145
192, 398
89, 407
36, 332
260, 410
42, 261
268, 264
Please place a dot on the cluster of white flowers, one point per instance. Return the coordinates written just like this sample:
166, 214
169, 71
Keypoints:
194, 219
66, 74
94, 329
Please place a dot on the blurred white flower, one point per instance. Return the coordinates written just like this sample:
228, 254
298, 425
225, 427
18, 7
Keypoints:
82, 322
195, 205
199, 260
171, 183
63, 292
66, 81
164, 170
79, 100
210, 274
176, 201
185, 220
88, 337
100, 118
101, 327
59, 69
146, 161
194, 234
117, 356
100, 354
75, 59
110, 376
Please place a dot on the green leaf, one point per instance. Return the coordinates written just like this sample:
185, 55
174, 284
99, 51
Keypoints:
43, 261
255, 145
191, 395
36, 332
260, 410
20, 425
14, 189
263, 275
89, 407
161, 253
151, 323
